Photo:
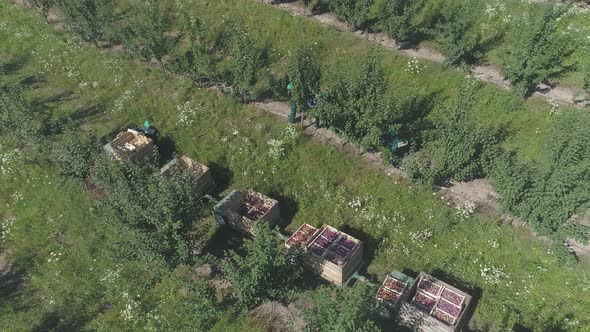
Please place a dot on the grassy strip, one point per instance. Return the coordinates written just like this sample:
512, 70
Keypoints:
405, 227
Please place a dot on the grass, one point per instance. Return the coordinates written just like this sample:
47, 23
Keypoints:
515, 280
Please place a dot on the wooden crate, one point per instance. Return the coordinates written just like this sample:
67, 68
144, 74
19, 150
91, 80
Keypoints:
395, 287
132, 146
319, 262
240, 216
419, 319
200, 173
301, 238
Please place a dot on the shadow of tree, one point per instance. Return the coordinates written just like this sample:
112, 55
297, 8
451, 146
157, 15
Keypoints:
13, 65
33, 81
166, 148
222, 177
288, 208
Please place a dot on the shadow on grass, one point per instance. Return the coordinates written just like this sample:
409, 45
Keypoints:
222, 177
87, 112
288, 209
13, 66
33, 81
10, 282
166, 148
225, 238
53, 322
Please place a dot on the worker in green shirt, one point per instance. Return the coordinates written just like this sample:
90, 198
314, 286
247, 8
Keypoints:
293, 113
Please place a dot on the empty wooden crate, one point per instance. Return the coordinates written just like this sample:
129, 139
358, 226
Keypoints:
199, 173
130, 145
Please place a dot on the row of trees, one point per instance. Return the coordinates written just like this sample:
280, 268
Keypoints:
447, 144
466, 30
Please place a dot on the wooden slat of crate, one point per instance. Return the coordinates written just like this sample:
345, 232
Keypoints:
240, 223
122, 138
143, 150
202, 174
273, 215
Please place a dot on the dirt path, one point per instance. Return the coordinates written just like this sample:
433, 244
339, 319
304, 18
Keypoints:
486, 73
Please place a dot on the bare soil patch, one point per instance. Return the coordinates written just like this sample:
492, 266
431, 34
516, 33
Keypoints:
279, 317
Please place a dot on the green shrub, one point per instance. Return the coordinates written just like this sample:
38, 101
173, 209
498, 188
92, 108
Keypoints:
17, 116
91, 19
357, 105
76, 153
460, 148
458, 31
514, 182
153, 211
355, 12
266, 272
397, 19
246, 62
183, 303
197, 62
535, 49
304, 73
346, 309
147, 33
549, 197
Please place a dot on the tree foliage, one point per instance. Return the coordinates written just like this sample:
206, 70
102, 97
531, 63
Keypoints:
549, 197
535, 49
456, 26
304, 73
183, 304
357, 13
359, 106
397, 19
266, 272
154, 210
42, 6
148, 32
76, 153
460, 148
346, 309
246, 62
91, 19
197, 61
